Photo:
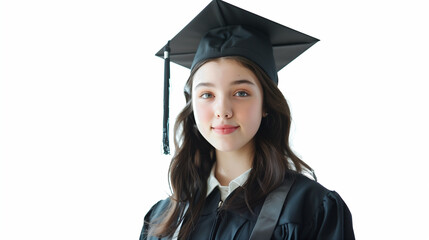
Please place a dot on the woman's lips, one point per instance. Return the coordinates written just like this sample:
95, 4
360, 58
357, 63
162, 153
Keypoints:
224, 129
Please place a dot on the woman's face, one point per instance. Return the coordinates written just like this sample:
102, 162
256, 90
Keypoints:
227, 102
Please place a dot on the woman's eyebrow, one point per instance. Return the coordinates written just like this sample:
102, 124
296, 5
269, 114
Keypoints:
244, 81
204, 84
236, 82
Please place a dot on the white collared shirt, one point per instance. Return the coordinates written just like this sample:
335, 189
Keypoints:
212, 183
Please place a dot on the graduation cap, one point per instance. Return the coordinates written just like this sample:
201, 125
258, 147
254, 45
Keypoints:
222, 29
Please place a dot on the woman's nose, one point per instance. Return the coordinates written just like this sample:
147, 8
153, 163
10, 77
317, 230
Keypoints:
223, 108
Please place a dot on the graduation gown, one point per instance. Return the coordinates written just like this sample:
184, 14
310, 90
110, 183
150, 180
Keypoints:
310, 212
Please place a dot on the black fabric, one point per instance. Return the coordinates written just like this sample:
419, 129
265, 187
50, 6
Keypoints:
310, 212
240, 41
270, 212
285, 43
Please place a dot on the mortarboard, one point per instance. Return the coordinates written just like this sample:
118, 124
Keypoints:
222, 29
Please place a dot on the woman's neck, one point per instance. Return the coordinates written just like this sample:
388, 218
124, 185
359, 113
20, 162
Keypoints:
230, 165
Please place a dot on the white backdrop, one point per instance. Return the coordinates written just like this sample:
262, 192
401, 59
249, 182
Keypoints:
81, 111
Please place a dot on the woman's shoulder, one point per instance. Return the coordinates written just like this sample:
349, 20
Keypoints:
305, 187
306, 197
157, 210
316, 209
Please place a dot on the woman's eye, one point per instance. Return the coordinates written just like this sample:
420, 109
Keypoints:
241, 94
206, 95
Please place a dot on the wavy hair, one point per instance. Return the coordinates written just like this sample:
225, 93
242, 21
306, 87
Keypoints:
194, 158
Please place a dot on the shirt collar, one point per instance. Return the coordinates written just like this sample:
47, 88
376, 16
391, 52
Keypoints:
212, 182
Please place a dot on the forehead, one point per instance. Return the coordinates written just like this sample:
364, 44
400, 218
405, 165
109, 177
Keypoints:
223, 71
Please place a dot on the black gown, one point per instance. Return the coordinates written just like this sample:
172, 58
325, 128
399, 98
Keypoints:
310, 212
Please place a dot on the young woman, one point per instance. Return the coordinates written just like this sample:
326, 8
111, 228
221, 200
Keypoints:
232, 149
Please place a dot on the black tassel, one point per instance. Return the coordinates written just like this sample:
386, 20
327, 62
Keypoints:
165, 121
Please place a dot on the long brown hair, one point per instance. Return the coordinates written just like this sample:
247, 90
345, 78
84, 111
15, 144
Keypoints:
194, 158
